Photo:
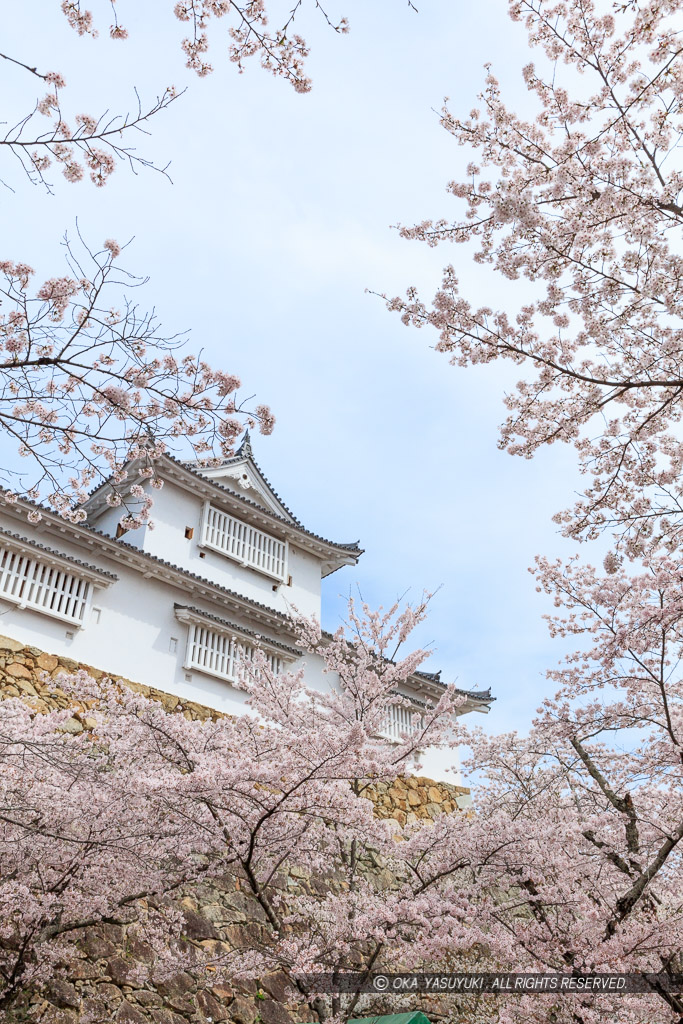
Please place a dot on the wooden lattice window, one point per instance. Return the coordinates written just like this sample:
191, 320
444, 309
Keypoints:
244, 543
220, 654
400, 719
32, 583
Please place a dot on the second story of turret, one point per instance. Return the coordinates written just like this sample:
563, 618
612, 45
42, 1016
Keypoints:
227, 524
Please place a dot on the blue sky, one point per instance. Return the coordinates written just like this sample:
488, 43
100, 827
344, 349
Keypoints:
278, 220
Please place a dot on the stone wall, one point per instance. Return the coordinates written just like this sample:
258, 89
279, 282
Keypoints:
104, 985
407, 799
33, 675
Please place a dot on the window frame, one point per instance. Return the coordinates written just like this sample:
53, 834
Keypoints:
243, 558
231, 642
31, 575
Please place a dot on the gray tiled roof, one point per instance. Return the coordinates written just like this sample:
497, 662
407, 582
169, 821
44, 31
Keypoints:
352, 548
58, 554
245, 450
119, 543
191, 575
238, 629
435, 677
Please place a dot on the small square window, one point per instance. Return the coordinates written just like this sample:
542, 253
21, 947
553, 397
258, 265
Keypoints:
173, 645
189, 532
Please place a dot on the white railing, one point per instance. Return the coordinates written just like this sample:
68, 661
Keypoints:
246, 544
31, 583
219, 654
400, 720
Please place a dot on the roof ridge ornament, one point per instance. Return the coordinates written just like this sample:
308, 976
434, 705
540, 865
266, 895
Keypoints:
245, 448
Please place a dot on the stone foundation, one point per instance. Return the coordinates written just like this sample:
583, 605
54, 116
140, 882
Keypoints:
32, 674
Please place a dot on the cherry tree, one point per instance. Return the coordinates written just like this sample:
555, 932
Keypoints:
580, 199
280, 50
583, 202
571, 863
107, 824
85, 386
93, 144
88, 381
589, 805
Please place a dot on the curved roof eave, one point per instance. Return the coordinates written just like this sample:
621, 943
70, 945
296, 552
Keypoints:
350, 550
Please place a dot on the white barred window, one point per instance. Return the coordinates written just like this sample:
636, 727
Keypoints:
244, 543
31, 583
220, 654
400, 719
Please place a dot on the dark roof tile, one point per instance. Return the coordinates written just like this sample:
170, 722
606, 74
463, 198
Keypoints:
58, 554
352, 548
238, 629
84, 528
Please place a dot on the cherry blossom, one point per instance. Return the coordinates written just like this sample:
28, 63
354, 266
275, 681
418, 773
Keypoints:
583, 202
86, 386
47, 138
571, 863
281, 51
110, 821
100, 142
589, 804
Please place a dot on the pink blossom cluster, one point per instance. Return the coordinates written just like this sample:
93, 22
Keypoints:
96, 145
147, 801
281, 52
86, 388
570, 864
79, 19
584, 203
